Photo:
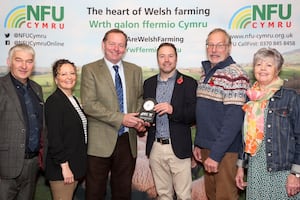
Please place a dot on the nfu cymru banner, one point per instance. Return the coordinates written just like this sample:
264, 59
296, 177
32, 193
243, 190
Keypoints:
74, 30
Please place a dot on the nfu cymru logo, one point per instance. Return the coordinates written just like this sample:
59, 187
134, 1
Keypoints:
262, 16
43, 17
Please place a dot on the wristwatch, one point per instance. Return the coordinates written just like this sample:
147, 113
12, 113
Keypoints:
297, 175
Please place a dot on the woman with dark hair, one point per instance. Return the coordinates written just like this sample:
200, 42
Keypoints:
67, 133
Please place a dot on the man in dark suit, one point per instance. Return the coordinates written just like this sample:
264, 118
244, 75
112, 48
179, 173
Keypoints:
21, 123
112, 136
169, 143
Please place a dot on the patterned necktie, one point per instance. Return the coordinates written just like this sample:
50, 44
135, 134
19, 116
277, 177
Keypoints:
119, 90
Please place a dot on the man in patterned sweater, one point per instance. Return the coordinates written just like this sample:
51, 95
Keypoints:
220, 95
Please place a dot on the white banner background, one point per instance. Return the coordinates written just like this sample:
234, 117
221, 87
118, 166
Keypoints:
80, 27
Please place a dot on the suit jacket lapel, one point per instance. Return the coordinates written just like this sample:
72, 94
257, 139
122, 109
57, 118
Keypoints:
153, 89
176, 87
65, 100
11, 92
37, 91
104, 71
129, 80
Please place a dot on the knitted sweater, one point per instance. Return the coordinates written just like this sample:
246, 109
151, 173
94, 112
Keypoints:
220, 95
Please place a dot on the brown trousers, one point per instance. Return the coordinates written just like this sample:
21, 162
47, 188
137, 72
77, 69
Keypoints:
221, 185
120, 165
62, 191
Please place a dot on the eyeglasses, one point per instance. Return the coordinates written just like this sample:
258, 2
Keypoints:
219, 46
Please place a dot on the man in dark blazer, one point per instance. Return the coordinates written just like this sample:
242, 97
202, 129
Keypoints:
169, 143
108, 150
21, 124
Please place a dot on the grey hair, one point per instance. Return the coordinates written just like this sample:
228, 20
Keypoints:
262, 53
20, 47
228, 37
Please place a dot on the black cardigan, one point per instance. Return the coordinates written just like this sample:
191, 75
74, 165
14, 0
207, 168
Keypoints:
65, 137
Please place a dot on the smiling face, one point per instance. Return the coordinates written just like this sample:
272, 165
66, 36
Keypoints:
265, 71
66, 78
217, 47
114, 47
167, 60
267, 64
21, 64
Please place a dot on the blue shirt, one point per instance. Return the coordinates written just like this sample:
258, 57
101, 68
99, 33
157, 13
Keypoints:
164, 93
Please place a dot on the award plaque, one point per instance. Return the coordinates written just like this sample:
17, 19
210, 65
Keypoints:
147, 113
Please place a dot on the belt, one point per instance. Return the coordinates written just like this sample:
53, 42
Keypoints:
163, 140
30, 155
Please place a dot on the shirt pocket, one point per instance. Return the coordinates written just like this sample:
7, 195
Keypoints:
282, 119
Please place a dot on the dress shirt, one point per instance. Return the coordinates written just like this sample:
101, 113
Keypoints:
121, 73
164, 93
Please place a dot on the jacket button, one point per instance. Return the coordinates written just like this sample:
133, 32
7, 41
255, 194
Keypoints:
269, 125
269, 169
269, 154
